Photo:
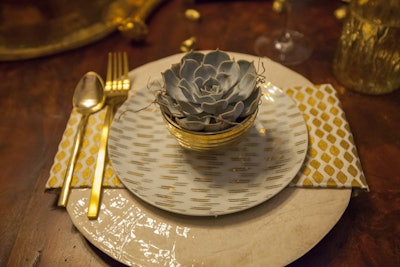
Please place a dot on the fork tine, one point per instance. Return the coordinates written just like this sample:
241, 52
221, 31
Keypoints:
108, 84
126, 81
119, 69
125, 63
115, 71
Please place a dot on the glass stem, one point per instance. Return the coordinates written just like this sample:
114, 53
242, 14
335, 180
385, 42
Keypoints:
285, 42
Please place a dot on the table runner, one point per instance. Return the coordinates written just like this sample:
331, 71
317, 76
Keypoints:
331, 161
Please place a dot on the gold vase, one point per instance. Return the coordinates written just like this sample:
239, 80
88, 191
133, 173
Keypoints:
208, 141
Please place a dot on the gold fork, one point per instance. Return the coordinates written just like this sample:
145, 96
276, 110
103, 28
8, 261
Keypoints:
116, 91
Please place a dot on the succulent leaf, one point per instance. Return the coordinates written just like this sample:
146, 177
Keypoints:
188, 68
217, 107
171, 82
251, 103
216, 126
193, 124
216, 57
168, 106
176, 68
231, 68
246, 85
199, 81
246, 67
205, 71
198, 56
226, 81
189, 89
189, 108
233, 112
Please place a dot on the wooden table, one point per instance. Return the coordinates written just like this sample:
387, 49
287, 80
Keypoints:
36, 101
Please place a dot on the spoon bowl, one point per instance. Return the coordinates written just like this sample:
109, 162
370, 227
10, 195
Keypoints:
88, 98
89, 94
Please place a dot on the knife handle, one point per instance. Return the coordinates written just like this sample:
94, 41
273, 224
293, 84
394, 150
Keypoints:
94, 203
63, 198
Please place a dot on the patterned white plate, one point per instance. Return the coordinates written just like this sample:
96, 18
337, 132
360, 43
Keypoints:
152, 165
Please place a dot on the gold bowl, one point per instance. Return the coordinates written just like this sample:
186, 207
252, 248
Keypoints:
208, 141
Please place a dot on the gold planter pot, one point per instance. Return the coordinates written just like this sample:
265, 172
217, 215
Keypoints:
208, 141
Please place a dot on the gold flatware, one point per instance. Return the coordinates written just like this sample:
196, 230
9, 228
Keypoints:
116, 92
88, 98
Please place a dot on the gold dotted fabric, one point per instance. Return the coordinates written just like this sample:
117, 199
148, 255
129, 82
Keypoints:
86, 161
331, 161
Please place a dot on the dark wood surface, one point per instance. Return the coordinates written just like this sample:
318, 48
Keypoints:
35, 104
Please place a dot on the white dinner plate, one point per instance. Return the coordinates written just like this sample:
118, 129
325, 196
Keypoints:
153, 166
273, 233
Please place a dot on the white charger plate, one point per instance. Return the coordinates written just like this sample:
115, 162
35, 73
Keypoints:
274, 233
153, 166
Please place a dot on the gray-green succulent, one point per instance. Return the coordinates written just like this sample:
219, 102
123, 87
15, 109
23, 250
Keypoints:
209, 92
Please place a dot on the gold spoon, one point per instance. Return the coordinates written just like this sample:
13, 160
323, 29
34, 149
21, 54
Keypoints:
88, 98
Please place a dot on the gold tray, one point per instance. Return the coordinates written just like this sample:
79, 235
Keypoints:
30, 29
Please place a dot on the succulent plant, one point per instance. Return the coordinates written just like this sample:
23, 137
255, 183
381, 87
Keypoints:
209, 92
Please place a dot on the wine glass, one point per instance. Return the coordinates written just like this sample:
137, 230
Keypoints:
286, 46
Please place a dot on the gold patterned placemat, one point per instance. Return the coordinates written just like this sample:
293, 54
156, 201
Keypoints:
331, 161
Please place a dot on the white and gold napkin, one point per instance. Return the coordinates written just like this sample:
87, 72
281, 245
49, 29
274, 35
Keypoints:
86, 161
331, 161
